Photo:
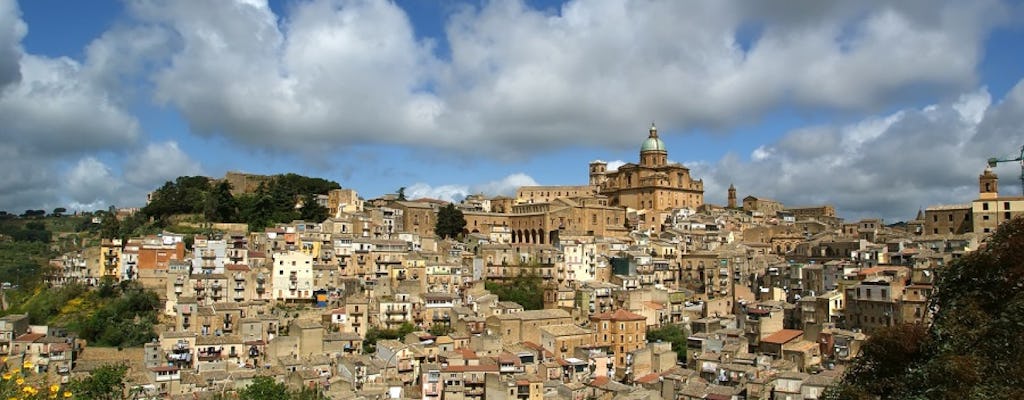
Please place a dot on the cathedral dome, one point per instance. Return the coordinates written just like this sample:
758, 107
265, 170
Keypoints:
653, 143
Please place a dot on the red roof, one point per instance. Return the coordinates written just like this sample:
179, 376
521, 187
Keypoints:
649, 378
784, 336
619, 315
164, 368
600, 381
237, 267
29, 337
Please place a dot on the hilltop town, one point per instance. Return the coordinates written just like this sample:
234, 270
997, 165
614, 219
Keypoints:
629, 286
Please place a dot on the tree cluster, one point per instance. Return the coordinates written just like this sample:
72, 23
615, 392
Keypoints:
973, 348
266, 388
21, 231
527, 289
274, 201
674, 334
450, 222
374, 334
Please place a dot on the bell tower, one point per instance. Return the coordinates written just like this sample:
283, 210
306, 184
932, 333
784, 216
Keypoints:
988, 185
732, 196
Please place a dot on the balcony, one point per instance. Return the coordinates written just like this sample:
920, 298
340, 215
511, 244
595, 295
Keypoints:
442, 318
239, 277
239, 296
210, 355
199, 286
208, 255
399, 311
260, 288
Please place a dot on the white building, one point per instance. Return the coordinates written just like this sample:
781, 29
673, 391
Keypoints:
293, 276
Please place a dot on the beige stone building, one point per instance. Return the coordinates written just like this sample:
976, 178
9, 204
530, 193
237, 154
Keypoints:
622, 332
990, 209
524, 326
948, 219
654, 184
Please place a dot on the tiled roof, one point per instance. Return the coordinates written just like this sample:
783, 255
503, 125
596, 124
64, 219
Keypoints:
619, 315
783, 336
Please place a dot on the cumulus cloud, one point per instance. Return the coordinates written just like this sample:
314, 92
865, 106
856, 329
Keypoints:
91, 184
614, 165
456, 192
12, 29
158, 163
888, 165
54, 115
519, 79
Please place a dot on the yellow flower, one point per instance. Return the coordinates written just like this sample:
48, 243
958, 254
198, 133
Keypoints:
54, 388
16, 370
27, 365
4, 360
67, 395
20, 381
7, 376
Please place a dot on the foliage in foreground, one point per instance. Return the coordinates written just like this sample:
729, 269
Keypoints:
973, 349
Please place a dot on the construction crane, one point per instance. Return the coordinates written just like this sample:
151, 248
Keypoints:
993, 161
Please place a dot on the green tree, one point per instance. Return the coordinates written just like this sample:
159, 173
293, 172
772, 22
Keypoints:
670, 333
401, 193
106, 382
264, 388
220, 205
440, 329
110, 228
311, 210
450, 222
59, 211
527, 289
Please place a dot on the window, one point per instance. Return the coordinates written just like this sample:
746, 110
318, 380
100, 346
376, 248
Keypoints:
1006, 215
1006, 205
950, 217
984, 206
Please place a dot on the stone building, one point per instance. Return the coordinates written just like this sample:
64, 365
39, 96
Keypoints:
991, 209
948, 219
654, 184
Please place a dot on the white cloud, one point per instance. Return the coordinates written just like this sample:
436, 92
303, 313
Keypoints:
158, 163
451, 193
887, 166
52, 113
12, 29
456, 192
91, 185
614, 165
521, 80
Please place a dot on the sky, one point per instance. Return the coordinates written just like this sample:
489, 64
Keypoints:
880, 108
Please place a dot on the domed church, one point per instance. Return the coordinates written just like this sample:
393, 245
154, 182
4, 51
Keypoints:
654, 184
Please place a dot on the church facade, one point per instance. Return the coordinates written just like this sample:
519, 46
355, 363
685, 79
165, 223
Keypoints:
652, 185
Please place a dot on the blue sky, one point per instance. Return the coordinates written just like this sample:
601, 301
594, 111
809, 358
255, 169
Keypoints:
879, 108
